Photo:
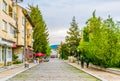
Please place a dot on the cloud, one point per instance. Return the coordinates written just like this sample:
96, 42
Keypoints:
57, 35
58, 13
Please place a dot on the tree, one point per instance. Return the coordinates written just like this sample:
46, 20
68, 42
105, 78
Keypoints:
40, 34
101, 41
63, 51
48, 51
73, 37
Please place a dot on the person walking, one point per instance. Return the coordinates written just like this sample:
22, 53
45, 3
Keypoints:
87, 63
82, 62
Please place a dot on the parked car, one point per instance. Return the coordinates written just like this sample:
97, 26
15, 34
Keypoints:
52, 56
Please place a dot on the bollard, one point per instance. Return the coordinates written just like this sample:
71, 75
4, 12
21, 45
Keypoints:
26, 65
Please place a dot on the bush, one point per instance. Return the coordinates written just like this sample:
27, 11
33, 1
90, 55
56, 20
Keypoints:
17, 62
15, 57
63, 56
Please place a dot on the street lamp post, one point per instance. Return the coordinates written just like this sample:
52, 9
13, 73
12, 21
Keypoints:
78, 56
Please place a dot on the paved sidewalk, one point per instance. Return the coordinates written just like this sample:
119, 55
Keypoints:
104, 76
13, 70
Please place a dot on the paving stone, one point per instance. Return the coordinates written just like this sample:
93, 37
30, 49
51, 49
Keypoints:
54, 70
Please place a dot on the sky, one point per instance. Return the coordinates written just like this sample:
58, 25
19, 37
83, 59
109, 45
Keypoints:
58, 14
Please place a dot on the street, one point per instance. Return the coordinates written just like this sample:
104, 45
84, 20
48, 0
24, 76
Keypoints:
54, 70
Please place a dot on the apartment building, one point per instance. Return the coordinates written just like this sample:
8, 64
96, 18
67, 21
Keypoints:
24, 38
8, 30
15, 32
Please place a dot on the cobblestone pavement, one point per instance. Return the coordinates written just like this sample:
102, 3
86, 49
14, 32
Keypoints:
54, 70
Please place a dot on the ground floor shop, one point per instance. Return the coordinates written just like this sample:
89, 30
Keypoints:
5, 53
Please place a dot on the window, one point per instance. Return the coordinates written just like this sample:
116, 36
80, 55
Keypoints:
12, 30
12, 13
23, 34
14, 16
0, 54
4, 6
4, 25
9, 54
23, 21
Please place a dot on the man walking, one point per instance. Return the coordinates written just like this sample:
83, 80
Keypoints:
82, 62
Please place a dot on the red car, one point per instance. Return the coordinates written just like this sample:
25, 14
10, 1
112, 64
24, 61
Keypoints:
52, 56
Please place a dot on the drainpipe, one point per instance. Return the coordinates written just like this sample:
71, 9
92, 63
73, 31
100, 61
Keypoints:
25, 41
5, 54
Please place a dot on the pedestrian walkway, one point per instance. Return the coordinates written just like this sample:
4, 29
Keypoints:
54, 70
104, 76
13, 70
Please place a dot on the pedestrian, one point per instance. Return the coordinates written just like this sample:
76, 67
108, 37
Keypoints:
37, 60
82, 62
87, 63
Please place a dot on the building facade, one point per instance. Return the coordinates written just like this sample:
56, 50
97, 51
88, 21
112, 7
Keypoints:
15, 32
25, 30
8, 30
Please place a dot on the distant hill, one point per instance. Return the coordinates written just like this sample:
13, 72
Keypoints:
54, 46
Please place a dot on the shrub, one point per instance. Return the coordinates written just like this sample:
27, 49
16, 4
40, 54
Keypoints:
17, 62
15, 57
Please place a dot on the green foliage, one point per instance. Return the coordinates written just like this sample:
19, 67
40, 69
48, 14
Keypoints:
63, 56
40, 34
101, 42
15, 57
73, 37
63, 51
17, 62
48, 51
86, 34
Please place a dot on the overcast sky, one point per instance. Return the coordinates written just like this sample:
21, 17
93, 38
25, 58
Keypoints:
58, 14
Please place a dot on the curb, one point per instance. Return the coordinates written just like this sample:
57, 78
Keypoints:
110, 70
